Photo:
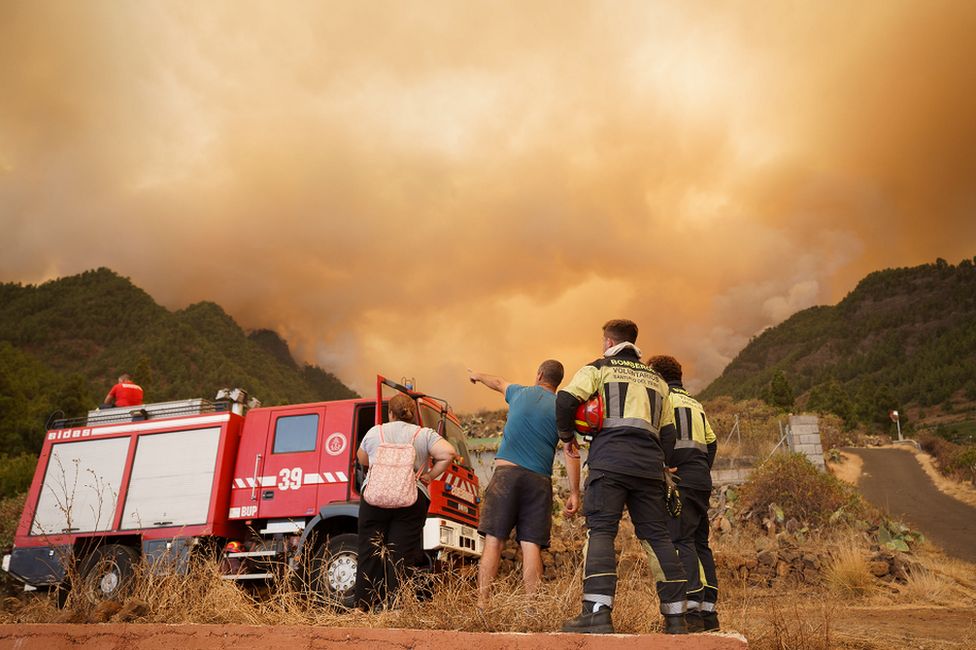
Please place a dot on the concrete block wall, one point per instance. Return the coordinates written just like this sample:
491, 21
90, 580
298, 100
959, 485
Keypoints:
804, 438
733, 476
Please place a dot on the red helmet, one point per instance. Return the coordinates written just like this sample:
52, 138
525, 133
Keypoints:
233, 547
589, 416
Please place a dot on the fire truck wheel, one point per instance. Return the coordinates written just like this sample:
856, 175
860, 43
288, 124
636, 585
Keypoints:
335, 569
109, 571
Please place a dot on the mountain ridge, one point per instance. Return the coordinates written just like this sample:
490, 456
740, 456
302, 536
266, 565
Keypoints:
902, 338
63, 342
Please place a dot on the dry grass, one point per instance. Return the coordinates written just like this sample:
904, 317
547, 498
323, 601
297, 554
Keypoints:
798, 616
848, 575
778, 623
772, 618
926, 586
848, 469
937, 579
200, 596
964, 492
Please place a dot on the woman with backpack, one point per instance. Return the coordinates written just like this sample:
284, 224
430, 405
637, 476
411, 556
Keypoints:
393, 509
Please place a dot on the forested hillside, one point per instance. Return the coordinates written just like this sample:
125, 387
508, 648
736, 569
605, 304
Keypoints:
902, 339
63, 343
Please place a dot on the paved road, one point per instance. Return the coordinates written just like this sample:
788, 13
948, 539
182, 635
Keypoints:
893, 480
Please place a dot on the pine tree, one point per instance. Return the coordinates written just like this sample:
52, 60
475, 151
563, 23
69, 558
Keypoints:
779, 393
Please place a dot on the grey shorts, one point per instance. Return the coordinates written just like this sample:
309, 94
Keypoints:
521, 499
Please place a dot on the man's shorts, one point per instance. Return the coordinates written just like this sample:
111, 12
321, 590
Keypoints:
521, 499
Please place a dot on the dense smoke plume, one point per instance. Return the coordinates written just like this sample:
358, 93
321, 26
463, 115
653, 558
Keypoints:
417, 188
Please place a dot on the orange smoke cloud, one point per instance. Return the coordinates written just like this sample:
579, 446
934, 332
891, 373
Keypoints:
418, 189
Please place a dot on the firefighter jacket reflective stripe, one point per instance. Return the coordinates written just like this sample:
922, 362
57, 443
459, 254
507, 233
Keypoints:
638, 425
695, 446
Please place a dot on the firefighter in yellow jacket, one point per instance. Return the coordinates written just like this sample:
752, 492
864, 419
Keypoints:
694, 453
626, 467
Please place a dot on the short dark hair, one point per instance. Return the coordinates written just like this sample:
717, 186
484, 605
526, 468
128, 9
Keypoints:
668, 367
552, 372
620, 330
125, 376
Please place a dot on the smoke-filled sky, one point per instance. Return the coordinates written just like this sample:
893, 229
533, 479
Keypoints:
415, 188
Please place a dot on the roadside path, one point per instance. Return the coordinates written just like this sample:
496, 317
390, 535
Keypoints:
893, 480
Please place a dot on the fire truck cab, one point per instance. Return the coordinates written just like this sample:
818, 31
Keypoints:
264, 487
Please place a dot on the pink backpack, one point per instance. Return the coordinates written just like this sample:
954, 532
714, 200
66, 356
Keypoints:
391, 481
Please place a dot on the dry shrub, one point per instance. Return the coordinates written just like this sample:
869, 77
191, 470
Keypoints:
923, 585
957, 571
848, 574
955, 460
804, 492
759, 428
834, 433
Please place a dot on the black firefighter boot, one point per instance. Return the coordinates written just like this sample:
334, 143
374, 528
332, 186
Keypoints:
590, 622
709, 617
695, 621
675, 624
710, 621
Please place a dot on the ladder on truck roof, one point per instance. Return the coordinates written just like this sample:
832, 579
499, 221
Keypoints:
156, 410
227, 399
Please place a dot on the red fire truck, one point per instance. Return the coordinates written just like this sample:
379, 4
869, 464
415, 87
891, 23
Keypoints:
266, 487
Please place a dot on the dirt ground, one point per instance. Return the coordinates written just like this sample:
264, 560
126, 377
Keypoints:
906, 627
892, 479
848, 469
866, 628
233, 637
859, 627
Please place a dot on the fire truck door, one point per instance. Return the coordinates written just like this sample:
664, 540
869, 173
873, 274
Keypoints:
287, 486
339, 446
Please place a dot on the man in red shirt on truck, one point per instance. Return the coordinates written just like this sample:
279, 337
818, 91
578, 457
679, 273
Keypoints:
124, 393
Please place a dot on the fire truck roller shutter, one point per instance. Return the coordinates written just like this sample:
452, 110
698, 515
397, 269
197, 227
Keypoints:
81, 484
172, 478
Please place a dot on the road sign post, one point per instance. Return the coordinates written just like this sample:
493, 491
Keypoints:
894, 418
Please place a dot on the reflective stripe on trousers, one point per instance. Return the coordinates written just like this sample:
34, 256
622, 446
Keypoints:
673, 609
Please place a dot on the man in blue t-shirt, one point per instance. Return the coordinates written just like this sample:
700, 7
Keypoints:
519, 494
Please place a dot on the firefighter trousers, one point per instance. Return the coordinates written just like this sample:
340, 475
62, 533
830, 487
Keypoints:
603, 504
689, 532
